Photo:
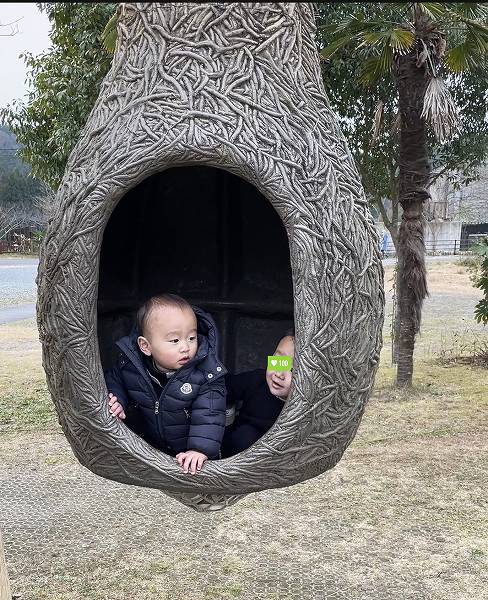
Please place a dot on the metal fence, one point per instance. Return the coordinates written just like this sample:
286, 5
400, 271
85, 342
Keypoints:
24, 241
27, 241
440, 247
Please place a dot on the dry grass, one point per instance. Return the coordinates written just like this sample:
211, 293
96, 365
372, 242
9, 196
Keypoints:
24, 400
444, 278
402, 517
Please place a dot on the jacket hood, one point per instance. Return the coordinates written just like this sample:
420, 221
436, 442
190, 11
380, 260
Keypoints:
208, 338
206, 327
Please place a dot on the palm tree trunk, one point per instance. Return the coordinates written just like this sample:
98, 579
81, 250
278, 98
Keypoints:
414, 178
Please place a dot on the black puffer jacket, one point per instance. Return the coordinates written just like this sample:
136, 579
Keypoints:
257, 410
189, 412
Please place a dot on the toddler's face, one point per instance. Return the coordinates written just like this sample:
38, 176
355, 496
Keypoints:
279, 382
170, 337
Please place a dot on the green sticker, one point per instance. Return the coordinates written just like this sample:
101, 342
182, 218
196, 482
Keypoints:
280, 363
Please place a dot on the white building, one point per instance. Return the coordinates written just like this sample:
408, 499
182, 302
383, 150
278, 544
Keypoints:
455, 218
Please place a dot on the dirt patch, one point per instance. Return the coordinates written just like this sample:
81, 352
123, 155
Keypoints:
20, 332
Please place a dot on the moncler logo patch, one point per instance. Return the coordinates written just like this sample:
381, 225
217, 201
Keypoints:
186, 388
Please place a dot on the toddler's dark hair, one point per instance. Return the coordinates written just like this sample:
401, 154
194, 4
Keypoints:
156, 302
289, 332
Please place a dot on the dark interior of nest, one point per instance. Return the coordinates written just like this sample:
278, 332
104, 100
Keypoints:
210, 237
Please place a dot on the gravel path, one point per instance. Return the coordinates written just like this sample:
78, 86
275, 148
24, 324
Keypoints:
19, 312
387, 523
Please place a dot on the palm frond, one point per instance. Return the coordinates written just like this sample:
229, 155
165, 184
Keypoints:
440, 110
453, 17
473, 10
337, 44
468, 55
477, 38
376, 66
434, 10
378, 119
459, 59
335, 27
401, 40
109, 34
352, 24
374, 38
477, 26
473, 50
369, 33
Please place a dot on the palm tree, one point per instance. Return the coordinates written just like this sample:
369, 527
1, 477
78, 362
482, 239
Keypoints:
412, 48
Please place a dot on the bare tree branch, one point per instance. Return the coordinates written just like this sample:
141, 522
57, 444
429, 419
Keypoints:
10, 219
14, 28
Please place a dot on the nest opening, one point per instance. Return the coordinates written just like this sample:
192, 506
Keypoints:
210, 237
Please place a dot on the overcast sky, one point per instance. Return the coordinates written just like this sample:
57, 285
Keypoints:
32, 36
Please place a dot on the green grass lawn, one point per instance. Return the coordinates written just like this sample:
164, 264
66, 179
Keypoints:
25, 404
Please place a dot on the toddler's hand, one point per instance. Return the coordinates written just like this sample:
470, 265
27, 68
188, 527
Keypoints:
191, 460
114, 406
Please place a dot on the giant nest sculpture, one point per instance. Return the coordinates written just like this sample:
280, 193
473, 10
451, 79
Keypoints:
227, 100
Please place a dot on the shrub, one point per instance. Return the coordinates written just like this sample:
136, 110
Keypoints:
481, 281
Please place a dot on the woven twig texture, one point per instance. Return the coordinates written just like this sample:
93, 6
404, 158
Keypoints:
238, 87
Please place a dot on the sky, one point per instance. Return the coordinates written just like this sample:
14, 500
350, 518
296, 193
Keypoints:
32, 36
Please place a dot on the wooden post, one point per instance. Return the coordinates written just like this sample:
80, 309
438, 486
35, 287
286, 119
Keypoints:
4, 583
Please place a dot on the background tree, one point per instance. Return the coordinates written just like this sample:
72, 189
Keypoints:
407, 42
369, 117
65, 81
9, 29
18, 187
389, 38
19, 190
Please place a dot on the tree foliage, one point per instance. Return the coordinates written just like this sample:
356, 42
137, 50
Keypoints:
355, 106
66, 78
64, 81
20, 196
367, 103
18, 188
